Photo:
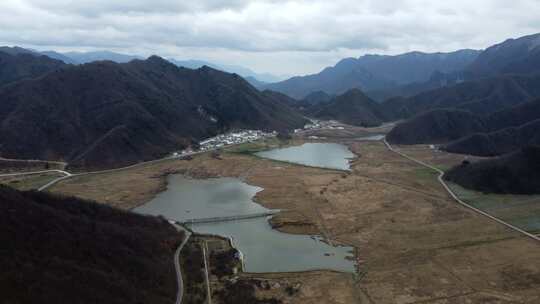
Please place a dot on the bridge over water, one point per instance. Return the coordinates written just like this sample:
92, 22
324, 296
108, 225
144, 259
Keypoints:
229, 218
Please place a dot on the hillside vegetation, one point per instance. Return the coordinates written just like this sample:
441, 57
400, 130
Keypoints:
66, 250
106, 114
353, 108
15, 66
464, 132
515, 173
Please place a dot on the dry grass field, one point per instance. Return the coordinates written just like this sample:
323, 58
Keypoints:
29, 182
413, 243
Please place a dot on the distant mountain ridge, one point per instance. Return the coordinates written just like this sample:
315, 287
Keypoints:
19, 65
87, 57
344, 76
105, 114
383, 76
436, 81
513, 56
416, 66
352, 107
256, 79
376, 72
502, 78
74, 57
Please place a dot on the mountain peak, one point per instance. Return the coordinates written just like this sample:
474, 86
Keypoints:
157, 59
513, 56
115, 114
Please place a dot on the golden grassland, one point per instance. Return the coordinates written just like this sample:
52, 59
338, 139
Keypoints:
413, 243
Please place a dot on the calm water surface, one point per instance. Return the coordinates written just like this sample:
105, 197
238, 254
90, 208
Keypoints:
264, 249
324, 155
187, 198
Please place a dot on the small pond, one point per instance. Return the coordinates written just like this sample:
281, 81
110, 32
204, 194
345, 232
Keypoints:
323, 155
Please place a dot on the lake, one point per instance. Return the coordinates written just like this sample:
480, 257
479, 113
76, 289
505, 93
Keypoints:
323, 155
264, 249
187, 198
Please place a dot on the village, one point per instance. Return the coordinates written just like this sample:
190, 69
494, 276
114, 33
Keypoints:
224, 140
233, 138
245, 136
321, 124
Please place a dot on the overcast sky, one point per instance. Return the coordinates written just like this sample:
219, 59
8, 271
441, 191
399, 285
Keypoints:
276, 36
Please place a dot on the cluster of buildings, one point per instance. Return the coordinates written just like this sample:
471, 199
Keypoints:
321, 124
223, 140
233, 138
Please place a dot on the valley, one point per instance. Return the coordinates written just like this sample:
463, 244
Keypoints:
399, 178
412, 241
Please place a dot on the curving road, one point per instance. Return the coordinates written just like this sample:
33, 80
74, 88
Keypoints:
66, 175
455, 197
36, 172
179, 279
70, 175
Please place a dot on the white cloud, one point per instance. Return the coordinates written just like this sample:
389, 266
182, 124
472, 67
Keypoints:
278, 36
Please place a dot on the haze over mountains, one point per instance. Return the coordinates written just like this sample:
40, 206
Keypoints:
459, 102
513, 56
497, 88
17, 66
408, 74
87, 57
258, 79
376, 72
111, 114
